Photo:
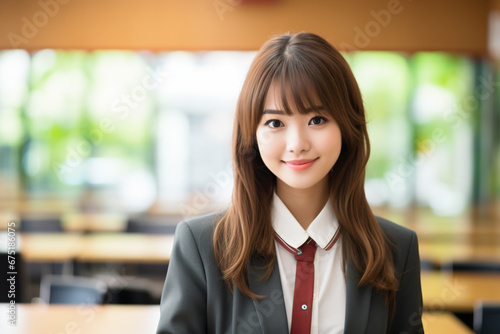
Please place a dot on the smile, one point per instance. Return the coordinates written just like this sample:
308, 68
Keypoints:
300, 164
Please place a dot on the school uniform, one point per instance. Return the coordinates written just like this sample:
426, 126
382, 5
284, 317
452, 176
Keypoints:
195, 299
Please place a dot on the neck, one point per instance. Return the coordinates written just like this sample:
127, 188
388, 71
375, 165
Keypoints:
304, 204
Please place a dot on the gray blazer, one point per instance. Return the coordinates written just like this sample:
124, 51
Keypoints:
196, 300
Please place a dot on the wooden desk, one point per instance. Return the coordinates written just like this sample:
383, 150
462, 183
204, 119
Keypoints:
103, 247
49, 247
439, 252
458, 292
127, 319
103, 319
137, 248
95, 222
444, 322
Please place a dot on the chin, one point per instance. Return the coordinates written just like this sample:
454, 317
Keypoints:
302, 185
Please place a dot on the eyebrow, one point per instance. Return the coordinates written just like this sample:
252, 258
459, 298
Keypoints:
280, 112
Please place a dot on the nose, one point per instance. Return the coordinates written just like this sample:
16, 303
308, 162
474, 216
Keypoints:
297, 140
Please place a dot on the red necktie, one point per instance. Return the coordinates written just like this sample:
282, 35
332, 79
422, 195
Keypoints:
304, 283
304, 289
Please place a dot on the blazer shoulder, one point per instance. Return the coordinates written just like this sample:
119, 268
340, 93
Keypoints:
200, 228
395, 231
201, 223
403, 243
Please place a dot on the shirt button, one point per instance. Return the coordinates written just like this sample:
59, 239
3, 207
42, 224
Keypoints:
299, 252
304, 307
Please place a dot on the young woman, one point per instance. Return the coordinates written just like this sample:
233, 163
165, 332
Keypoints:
298, 250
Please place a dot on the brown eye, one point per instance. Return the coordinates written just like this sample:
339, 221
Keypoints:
317, 120
274, 123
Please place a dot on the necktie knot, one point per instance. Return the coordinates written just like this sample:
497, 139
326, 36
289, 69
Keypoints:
306, 252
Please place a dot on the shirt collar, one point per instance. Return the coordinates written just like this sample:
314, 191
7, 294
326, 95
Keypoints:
321, 230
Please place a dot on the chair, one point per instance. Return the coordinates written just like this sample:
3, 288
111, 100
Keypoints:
130, 296
471, 266
153, 225
427, 265
40, 225
486, 317
165, 224
129, 290
64, 289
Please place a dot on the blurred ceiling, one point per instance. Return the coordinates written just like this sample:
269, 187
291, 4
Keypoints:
158, 25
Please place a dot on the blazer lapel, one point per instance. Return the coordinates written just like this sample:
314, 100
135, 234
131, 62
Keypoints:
358, 300
270, 310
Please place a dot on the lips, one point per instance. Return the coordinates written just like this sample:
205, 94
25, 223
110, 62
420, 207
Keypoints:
300, 164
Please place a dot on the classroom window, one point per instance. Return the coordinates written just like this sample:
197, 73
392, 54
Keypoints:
141, 129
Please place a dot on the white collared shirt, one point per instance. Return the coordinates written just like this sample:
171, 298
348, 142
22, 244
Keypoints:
328, 313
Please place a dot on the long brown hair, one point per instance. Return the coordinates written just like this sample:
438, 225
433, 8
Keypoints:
301, 64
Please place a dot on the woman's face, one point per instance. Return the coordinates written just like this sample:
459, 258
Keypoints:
299, 149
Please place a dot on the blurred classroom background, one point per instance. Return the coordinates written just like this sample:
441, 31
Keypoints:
116, 123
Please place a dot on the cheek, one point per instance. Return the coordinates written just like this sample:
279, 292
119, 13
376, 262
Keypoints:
260, 140
261, 144
264, 138
331, 142
268, 144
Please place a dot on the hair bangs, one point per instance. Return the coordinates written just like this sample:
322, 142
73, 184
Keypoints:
297, 88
